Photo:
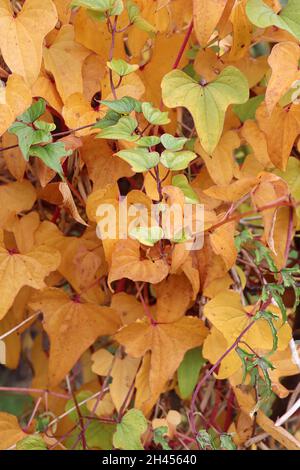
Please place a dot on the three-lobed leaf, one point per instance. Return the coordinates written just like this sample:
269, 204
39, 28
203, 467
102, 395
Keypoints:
122, 130
121, 67
51, 155
206, 103
263, 16
176, 161
154, 115
140, 159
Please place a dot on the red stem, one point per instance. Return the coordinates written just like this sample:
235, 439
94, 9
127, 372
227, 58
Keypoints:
183, 46
216, 365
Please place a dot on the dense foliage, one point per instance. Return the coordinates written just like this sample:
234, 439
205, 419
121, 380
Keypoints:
149, 338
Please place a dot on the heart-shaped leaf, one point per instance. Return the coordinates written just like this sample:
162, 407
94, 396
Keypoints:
121, 67
206, 103
51, 155
140, 159
181, 182
263, 16
123, 130
177, 160
125, 105
173, 143
129, 431
154, 115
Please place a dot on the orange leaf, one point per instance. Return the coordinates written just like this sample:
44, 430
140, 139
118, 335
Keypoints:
72, 327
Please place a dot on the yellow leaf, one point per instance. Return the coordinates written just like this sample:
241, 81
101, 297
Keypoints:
102, 166
72, 327
93, 72
257, 140
69, 203
168, 342
77, 112
206, 14
24, 230
14, 100
45, 88
233, 191
122, 371
161, 63
22, 36
284, 367
127, 262
283, 60
14, 159
173, 298
13, 318
221, 164
104, 408
227, 314
15, 198
214, 347
19, 270
63, 10
128, 307
280, 139
64, 59
222, 242
10, 431
95, 36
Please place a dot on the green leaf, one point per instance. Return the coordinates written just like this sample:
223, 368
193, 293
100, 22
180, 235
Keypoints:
188, 372
34, 112
147, 235
173, 143
28, 136
130, 430
51, 155
154, 115
159, 437
100, 435
135, 18
15, 404
263, 16
148, 141
25, 137
206, 103
276, 291
97, 435
204, 440
123, 106
140, 159
44, 126
121, 67
243, 237
123, 130
42, 423
113, 7
110, 119
181, 182
247, 110
33, 442
227, 442
176, 161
